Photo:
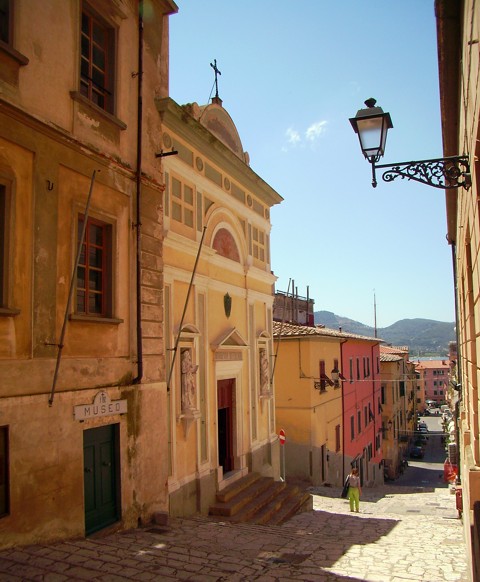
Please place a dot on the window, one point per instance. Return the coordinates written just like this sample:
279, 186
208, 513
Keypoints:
351, 370
97, 61
365, 416
358, 368
94, 275
352, 427
337, 438
258, 244
182, 203
4, 473
383, 392
324, 379
336, 374
6, 21
3, 246
359, 421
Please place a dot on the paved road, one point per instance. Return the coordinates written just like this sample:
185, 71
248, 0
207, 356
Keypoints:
408, 531
402, 534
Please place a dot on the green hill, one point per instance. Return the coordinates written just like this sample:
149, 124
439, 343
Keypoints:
424, 337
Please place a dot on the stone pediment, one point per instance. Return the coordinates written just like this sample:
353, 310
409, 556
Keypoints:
232, 339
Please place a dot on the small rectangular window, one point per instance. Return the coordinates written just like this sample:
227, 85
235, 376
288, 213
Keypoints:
358, 368
337, 438
359, 421
323, 382
259, 251
97, 60
4, 472
94, 269
6, 21
352, 427
3, 246
183, 203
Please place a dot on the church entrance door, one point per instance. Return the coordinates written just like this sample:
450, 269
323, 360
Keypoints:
225, 390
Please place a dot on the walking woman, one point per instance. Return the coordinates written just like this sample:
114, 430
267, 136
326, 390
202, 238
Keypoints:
354, 489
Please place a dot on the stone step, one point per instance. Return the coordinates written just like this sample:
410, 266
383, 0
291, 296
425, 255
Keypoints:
235, 488
243, 496
260, 500
297, 503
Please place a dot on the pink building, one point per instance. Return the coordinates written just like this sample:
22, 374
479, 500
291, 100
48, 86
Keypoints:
362, 412
432, 382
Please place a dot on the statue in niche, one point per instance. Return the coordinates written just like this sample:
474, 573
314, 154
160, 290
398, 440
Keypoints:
188, 370
264, 373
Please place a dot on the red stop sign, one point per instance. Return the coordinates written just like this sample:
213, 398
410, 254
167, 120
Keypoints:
281, 436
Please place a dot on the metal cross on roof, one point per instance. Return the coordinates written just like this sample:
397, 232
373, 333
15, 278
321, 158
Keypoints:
217, 72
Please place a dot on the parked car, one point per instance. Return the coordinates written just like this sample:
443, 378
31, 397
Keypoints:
416, 453
422, 424
422, 430
420, 441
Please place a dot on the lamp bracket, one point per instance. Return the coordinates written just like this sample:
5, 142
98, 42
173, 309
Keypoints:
444, 173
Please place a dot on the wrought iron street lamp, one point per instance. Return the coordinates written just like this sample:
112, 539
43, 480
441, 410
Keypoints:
372, 125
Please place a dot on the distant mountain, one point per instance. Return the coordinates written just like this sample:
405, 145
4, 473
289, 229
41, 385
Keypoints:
424, 337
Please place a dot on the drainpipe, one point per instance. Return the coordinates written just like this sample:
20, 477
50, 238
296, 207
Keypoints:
138, 180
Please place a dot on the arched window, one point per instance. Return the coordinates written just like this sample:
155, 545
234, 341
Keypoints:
225, 245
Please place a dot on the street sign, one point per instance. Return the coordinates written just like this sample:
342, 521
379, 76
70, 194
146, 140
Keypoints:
281, 436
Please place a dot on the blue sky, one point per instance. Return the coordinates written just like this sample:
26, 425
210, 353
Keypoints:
292, 74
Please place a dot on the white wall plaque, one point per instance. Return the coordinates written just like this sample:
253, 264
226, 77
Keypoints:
102, 406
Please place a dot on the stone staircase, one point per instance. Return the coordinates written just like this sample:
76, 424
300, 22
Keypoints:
261, 500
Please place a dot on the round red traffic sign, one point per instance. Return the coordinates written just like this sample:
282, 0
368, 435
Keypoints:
281, 436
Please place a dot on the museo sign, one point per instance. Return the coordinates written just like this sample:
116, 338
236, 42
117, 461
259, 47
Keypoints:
101, 406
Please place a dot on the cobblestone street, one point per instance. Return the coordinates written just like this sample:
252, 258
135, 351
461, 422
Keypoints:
401, 534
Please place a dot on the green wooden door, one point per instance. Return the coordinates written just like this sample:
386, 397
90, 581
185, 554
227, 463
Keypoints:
101, 477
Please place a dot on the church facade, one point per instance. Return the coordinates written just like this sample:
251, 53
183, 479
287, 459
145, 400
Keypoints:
218, 302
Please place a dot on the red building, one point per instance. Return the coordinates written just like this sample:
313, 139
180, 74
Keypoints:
362, 412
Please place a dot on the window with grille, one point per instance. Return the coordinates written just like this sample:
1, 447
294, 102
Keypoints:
97, 60
94, 269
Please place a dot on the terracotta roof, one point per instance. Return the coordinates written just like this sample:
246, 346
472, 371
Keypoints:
389, 357
285, 330
394, 349
431, 364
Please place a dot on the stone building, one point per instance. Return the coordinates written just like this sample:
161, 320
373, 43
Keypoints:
82, 373
458, 34
327, 401
398, 382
